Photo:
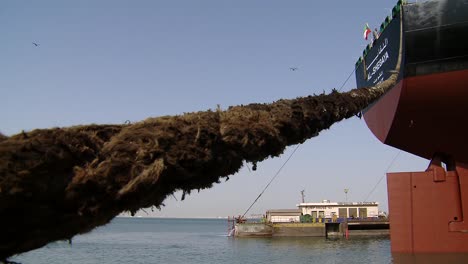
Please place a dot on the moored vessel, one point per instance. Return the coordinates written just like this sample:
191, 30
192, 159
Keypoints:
424, 114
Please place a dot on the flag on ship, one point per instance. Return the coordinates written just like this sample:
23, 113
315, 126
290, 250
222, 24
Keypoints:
367, 31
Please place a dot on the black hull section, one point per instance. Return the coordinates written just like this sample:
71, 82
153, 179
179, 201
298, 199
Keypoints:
435, 40
381, 59
436, 37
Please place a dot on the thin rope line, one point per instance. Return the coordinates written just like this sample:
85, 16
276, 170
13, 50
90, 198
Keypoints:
385, 173
347, 79
258, 197
277, 173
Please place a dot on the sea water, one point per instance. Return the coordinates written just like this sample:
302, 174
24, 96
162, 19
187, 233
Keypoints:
164, 240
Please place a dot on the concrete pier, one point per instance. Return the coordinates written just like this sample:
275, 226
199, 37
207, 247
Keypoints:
299, 230
328, 229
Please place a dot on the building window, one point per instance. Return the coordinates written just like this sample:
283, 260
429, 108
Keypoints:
343, 212
362, 212
314, 214
353, 212
321, 214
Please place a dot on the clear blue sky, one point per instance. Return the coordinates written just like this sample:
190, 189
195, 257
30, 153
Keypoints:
110, 61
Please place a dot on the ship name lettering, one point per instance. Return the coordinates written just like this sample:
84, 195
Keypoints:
379, 64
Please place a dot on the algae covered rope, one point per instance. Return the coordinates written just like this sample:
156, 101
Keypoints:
56, 183
71, 180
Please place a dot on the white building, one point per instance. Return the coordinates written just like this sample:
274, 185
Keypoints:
283, 215
327, 209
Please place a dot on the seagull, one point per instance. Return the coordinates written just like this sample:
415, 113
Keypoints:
293, 68
35, 44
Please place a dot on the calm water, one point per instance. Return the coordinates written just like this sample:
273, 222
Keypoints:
150, 240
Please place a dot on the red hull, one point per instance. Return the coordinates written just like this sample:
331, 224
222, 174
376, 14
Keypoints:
425, 115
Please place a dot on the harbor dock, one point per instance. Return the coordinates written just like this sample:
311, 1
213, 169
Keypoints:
323, 219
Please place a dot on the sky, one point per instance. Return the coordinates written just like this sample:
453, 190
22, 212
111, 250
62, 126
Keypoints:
109, 61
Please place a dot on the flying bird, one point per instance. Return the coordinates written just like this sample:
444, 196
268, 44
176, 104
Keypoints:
293, 68
35, 44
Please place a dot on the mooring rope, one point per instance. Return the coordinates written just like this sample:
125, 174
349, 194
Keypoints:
272, 179
277, 173
347, 79
385, 173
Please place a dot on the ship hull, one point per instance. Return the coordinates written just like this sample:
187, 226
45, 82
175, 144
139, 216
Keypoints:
422, 114
425, 114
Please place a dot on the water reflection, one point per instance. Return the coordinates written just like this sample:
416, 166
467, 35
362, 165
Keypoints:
316, 249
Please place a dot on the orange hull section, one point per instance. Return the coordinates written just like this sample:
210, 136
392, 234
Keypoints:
429, 210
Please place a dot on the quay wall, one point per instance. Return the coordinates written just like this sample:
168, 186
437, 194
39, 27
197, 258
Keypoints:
299, 230
333, 229
253, 230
